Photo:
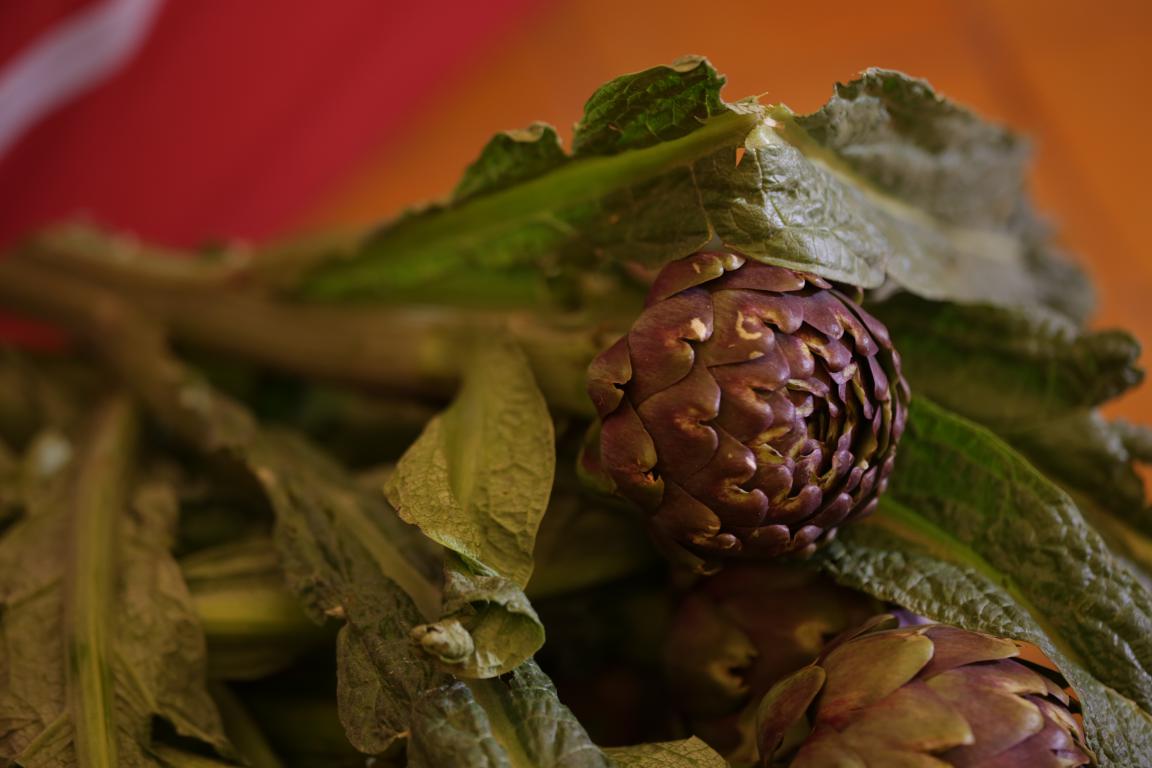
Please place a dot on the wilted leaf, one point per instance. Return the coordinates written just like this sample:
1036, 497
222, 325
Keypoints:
99, 633
478, 479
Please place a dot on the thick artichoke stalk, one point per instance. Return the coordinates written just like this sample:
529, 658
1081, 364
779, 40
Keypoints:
751, 409
929, 695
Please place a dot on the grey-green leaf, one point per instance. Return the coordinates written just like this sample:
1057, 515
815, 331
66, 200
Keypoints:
478, 479
1033, 377
1009, 368
965, 175
510, 722
899, 134
348, 557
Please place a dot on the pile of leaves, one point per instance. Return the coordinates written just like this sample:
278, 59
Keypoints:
322, 502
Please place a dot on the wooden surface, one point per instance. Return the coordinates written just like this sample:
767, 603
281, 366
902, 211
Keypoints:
1071, 75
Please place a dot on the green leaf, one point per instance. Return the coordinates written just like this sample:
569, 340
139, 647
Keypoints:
970, 534
1136, 438
899, 134
343, 551
99, 634
555, 219
306, 727
689, 753
650, 107
509, 158
243, 730
1034, 378
478, 479
888, 179
1083, 454
955, 187
1009, 368
347, 556
965, 175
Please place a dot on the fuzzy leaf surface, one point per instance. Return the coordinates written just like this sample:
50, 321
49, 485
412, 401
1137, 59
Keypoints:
1035, 379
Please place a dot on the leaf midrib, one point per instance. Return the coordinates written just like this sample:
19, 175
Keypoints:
98, 499
503, 729
579, 180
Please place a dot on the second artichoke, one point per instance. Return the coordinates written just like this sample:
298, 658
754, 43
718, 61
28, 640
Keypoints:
930, 695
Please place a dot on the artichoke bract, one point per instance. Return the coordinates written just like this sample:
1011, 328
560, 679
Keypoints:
930, 695
735, 634
750, 409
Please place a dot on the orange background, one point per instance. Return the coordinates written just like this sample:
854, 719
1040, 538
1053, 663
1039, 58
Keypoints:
1074, 76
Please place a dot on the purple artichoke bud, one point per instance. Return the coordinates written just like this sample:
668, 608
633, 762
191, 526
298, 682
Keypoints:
735, 634
750, 410
925, 695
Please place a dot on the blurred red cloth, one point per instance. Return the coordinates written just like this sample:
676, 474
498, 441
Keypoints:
230, 118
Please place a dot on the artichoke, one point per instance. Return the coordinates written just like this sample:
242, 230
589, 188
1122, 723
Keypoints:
735, 634
930, 695
750, 409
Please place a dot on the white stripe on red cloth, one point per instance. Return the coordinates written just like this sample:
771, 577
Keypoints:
72, 56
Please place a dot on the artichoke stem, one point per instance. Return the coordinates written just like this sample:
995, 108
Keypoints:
403, 349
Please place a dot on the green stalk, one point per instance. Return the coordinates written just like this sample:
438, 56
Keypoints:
416, 259
135, 346
410, 350
255, 613
99, 497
